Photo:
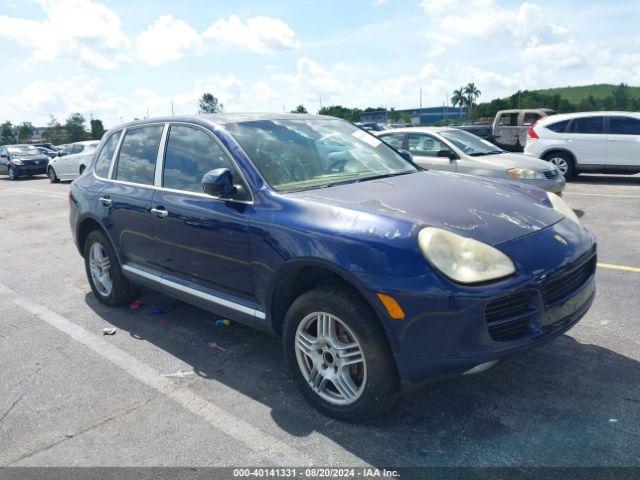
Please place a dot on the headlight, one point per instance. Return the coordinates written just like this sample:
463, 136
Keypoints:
524, 174
561, 206
463, 259
17, 161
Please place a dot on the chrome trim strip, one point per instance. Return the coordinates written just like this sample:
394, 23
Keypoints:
196, 293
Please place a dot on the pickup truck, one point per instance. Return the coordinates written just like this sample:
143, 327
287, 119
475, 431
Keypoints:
509, 128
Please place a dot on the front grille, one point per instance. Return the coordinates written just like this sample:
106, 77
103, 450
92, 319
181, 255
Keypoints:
552, 174
508, 317
563, 285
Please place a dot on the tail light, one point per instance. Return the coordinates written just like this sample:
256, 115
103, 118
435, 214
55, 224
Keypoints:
532, 133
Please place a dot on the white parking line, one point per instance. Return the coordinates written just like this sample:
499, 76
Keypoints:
601, 195
273, 450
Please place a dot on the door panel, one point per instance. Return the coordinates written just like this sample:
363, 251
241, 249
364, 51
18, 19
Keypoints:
586, 139
205, 241
623, 142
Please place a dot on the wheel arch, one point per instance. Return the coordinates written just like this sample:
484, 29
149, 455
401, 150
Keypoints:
547, 153
301, 275
87, 225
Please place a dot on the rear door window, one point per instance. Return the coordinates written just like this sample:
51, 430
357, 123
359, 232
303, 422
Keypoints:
190, 153
103, 161
422, 145
624, 126
586, 125
138, 155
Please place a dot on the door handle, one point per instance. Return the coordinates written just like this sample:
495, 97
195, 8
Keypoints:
160, 212
106, 201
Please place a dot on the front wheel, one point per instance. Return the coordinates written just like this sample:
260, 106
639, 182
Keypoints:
107, 281
563, 162
12, 174
339, 354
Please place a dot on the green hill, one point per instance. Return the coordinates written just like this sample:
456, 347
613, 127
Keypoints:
577, 94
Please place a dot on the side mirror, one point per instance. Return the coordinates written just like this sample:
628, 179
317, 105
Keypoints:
406, 154
451, 155
218, 183
3, 155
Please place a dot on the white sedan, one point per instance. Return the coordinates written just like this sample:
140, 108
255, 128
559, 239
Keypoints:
71, 162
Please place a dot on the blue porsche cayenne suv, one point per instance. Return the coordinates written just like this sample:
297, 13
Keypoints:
371, 269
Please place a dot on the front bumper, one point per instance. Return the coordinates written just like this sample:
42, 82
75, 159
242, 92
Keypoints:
449, 329
555, 185
31, 168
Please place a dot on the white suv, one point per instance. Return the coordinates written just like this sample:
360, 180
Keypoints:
602, 142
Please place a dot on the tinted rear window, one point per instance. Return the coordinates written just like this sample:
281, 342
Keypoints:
558, 126
586, 125
103, 161
138, 155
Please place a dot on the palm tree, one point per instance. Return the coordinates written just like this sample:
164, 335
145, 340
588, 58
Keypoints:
472, 93
458, 100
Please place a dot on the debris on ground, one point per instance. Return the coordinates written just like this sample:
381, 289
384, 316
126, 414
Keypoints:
215, 345
179, 374
163, 321
160, 309
223, 321
613, 420
108, 331
136, 305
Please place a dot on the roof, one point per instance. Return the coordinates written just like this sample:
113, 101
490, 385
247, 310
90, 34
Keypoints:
567, 116
224, 118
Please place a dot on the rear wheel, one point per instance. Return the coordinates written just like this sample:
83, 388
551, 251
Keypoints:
103, 269
53, 178
339, 354
563, 162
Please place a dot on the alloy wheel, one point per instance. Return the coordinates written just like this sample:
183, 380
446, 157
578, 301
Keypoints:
100, 268
561, 163
330, 358
12, 174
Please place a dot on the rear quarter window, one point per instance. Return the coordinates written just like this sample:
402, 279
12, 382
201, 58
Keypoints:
558, 126
103, 160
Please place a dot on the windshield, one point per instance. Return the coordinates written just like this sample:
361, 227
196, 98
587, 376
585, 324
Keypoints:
470, 144
301, 154
23, 150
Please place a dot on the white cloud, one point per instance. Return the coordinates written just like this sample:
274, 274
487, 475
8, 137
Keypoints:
263, 91
167, 39
74, 29
257, 34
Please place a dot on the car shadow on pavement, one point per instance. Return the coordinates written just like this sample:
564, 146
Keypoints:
563, 404
607, 180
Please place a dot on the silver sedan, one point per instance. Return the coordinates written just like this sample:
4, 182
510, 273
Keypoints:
450, 149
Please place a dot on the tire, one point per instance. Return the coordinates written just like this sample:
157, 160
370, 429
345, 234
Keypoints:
564, 162
82, 168
12, 174
121, 290
374, 379
53, 178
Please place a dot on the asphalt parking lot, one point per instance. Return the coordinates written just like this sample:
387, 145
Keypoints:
179, 389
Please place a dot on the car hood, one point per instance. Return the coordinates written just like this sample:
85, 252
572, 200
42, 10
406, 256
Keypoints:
513, 160
489, 211
40, 156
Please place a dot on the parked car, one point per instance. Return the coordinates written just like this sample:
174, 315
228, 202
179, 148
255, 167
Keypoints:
72, 161
453, 150
510, 127
372, 126
481, 130
598, 142
372, 270
61, 147
49, 146
22, 160
46, 151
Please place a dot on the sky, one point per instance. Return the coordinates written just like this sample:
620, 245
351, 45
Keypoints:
119, 60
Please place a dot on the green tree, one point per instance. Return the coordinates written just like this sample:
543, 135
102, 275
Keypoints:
458, 99
97, 129
300, 109
6, 133
25, 131
351, 114
75, 127
209, 104
472, 93
55, 133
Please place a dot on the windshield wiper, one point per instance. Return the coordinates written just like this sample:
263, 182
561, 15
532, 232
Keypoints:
384, 175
